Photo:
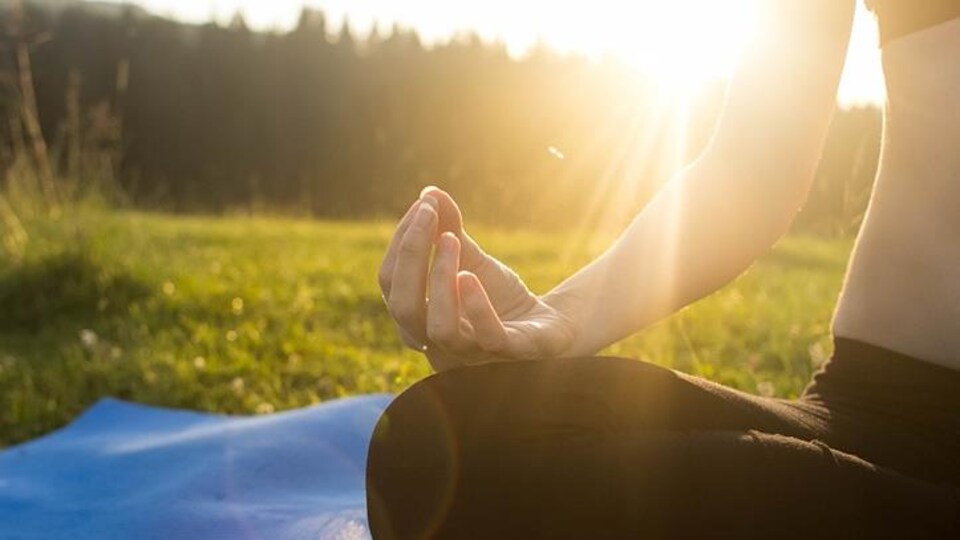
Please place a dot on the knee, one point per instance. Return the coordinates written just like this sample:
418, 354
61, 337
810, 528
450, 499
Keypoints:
468, 427
447, 431
410, 464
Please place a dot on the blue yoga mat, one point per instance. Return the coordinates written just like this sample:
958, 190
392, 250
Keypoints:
127, 471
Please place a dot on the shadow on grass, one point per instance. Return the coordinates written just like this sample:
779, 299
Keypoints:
64, 287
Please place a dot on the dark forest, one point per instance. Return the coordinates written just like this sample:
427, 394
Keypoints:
326, 122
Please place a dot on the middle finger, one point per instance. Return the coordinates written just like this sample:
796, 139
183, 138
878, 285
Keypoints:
443, 311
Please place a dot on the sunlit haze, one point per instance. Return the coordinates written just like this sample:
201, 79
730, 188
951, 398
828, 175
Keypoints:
656, 36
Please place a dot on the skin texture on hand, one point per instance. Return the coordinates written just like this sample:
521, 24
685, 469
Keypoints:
457, 304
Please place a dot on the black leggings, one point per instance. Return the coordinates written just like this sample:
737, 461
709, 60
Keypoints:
609, 447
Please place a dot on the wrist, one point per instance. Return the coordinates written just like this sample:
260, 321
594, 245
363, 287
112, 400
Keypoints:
567, 308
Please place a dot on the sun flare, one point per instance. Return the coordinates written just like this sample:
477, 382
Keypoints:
680, 42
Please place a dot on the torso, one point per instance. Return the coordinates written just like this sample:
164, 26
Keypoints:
903, 285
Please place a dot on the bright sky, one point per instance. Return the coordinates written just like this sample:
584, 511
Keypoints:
653, 35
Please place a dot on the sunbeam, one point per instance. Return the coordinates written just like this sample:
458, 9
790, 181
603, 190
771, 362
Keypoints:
682, 42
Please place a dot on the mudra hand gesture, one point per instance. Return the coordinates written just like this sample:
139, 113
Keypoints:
457, 304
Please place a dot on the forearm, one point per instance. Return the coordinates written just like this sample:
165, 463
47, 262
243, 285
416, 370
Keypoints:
701, 231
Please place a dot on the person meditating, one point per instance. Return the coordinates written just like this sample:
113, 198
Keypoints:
524, 433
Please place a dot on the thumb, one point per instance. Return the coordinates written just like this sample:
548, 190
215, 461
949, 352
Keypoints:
488, 330
451, 220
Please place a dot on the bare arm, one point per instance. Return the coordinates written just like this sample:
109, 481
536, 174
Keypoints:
702, 230
712, 221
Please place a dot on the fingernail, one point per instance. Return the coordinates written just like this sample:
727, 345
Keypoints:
427, 189
432, 202
468, 282
449, 242
424, 214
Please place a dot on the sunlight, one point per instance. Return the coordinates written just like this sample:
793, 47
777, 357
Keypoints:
862, 82
612, 201
680, 42
678, 156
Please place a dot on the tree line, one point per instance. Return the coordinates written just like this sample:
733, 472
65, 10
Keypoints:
322, 121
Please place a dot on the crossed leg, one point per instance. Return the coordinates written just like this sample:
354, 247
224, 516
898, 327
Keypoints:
607, 447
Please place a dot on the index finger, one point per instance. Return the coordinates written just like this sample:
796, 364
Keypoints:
385, 276
407, 299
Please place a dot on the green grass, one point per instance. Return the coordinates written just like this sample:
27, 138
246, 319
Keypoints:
245, 315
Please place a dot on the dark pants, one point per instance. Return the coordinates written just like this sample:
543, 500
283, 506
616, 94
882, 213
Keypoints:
609, 447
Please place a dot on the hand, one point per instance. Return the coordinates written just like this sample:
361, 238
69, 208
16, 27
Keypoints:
466, 307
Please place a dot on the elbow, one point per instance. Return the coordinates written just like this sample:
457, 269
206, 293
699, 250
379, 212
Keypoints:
748, 223
769, 208
770, 176
777, 197
762, 197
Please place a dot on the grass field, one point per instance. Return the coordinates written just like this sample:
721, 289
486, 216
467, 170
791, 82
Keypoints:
245, 315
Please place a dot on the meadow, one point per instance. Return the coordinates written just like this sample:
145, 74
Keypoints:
256, 315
